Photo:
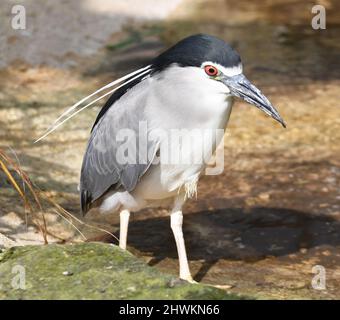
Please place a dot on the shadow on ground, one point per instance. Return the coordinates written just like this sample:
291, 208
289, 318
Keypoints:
235, 234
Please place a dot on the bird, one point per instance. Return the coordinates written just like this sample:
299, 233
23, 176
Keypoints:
132, 161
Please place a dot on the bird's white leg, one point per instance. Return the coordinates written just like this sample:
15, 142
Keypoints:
124, 224
176, 226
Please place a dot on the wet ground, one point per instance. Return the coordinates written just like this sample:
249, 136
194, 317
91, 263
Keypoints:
261, 226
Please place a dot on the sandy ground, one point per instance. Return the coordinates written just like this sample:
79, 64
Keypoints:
274, 212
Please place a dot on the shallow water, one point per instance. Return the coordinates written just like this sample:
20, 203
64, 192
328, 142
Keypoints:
273, 37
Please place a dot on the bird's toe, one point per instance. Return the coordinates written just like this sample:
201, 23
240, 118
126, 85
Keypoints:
174, 282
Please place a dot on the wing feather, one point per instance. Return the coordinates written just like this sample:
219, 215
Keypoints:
101, 169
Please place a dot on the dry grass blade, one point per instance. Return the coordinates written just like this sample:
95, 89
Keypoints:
6, 162
35, 207
71, 216
11, 179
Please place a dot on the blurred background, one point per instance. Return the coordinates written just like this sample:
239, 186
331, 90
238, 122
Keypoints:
258, 228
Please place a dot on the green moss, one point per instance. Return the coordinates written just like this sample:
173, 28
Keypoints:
91, 271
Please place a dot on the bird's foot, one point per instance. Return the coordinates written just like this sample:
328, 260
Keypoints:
189, 279
180, 281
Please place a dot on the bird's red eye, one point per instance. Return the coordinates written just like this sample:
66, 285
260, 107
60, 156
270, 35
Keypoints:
211, 71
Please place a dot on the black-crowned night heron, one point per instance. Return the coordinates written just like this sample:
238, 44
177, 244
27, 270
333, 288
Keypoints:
126, 166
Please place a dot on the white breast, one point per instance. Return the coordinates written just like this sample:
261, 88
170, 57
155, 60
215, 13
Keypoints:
183, 98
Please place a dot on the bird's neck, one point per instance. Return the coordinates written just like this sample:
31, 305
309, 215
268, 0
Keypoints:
185, 98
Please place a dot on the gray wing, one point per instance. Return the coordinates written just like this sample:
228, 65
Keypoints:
113, 158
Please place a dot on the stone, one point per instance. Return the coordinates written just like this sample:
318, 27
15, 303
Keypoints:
47, 275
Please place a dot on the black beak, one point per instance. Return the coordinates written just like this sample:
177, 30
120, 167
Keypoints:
241, 87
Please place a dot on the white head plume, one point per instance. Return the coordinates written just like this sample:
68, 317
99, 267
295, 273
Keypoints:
72, 111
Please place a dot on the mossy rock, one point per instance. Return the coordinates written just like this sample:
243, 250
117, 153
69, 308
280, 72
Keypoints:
90, 271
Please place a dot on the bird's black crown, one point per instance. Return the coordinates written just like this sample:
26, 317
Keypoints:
191, 51
196, 49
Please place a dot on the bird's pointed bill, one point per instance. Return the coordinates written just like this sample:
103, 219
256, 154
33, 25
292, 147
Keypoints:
241, 87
